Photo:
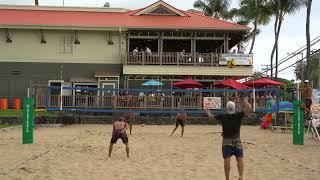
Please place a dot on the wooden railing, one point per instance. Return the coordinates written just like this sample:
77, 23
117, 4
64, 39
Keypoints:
171, 58
136, 102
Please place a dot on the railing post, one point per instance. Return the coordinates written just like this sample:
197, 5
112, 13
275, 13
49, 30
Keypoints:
143, 58
172, 102
195, 59
211, 58
114, 102
160, 58
86, 102
177, 55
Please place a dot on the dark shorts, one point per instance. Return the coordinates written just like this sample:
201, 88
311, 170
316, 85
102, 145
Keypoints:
130, 122
122, 136
308, 103
181, 122
232, 147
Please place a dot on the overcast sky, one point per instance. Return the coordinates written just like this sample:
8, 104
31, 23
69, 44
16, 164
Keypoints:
292, 34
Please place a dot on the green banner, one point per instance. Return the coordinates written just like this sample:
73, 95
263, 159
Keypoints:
298, 124
27, 121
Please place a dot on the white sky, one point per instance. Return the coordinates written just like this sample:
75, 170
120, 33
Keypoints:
291, 38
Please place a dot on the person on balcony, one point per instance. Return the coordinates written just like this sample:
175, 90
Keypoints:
241, 50
135, 51
201, 60
148, 51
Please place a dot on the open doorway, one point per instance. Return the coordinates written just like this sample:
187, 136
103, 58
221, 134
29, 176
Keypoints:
208, 46
174, 45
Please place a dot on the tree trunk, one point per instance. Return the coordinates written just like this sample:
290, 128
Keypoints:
274, 45
277, 44
254, 36
276, 63
308, 38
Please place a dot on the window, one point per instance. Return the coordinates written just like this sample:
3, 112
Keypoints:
162, 11
66, 45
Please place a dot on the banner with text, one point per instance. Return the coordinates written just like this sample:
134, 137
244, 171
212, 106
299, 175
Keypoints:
239, 59
27, 121
212, 103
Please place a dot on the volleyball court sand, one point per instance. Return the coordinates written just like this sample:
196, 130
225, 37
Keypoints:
79, 152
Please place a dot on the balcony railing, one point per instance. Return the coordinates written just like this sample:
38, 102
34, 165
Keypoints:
171, 58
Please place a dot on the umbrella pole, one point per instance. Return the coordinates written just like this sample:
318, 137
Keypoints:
254, 100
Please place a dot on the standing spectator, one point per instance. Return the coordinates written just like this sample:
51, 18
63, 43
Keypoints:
241, 50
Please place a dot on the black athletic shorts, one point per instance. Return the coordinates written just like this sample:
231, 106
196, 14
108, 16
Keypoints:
130, 121
308, 103
179, 121
116, 135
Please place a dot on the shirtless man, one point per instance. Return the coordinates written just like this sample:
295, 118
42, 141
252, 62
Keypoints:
231, 143
180, 119
307, 96
119, 131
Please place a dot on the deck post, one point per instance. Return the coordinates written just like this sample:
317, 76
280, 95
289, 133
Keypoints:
143, 58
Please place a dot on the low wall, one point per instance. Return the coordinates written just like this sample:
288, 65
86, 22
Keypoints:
109, 119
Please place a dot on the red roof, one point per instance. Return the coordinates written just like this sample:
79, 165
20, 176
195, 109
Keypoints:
93, 19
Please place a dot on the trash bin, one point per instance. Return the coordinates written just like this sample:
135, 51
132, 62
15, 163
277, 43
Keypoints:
3, 103
16, 104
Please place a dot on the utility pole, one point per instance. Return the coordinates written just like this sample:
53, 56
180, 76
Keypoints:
302, 67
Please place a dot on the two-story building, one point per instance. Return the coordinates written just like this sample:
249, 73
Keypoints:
113, 47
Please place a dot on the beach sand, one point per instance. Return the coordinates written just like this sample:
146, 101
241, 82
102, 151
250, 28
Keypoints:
80, 152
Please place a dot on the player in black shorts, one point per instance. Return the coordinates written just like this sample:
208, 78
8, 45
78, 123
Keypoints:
180, 120
119, 131
129, 119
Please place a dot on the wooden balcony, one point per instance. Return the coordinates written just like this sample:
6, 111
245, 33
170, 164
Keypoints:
171, 58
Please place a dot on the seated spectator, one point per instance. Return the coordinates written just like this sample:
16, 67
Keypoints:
135, 51
148, 51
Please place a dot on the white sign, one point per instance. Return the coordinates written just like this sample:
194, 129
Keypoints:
211, 103
239, 59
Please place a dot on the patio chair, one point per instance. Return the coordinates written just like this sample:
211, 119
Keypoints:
314, 126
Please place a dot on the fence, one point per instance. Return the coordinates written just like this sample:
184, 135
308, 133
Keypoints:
157, 101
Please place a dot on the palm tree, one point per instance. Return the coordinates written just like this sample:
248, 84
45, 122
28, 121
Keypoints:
215, 8
256, 12
281, 8
309, 3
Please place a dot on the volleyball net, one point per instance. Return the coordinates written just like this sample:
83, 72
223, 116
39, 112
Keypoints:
156, 100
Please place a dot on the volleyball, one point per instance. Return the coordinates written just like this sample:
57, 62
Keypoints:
231, 64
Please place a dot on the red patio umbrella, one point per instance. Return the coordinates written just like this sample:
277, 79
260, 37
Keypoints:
230, 83
262, 82
188, 83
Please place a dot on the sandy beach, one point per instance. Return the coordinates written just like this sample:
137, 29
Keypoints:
79, 152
